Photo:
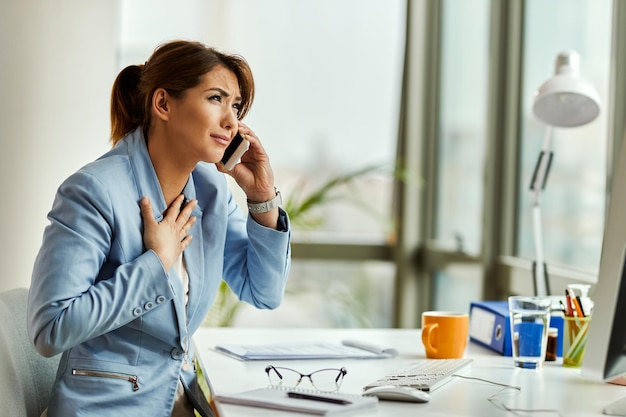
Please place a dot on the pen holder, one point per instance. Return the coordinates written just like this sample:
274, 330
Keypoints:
575, 330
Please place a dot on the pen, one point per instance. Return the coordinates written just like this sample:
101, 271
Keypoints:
302, 396
569, 309
574, 301
577, 309
580, 304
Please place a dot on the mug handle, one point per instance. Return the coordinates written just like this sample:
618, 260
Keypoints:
427, 331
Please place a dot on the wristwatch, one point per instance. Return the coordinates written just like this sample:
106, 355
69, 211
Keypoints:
266, 206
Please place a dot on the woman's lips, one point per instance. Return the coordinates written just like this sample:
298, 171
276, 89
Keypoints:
221, 139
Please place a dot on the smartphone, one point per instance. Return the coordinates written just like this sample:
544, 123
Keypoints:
236, 148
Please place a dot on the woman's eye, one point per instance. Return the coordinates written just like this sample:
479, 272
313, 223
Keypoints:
215, 98
237, 107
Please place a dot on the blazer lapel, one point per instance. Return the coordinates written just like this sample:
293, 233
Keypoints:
194, 253
148, 185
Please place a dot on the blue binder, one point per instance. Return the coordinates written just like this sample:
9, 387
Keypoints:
490, 326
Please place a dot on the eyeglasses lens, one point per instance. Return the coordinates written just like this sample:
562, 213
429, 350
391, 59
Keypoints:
284, 377
327, 379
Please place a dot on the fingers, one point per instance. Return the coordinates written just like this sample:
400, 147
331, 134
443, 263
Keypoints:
186, 227
174, 209
181, 219
244, 130
248, 134
146, 210
185, 242
169, 237
174, 212
184, 217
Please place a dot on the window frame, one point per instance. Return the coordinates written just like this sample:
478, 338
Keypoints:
415, 253
503, 273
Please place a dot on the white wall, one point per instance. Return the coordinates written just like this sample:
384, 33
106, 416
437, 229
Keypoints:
58, 62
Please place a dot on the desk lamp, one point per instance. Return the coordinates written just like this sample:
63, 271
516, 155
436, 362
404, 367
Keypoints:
566, 100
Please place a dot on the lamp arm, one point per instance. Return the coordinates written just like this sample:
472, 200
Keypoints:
542, 168
540, 271
537, 184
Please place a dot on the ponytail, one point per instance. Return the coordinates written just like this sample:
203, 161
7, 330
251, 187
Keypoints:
127, 105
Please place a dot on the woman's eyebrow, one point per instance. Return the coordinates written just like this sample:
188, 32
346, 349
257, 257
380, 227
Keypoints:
222, 92
218, 90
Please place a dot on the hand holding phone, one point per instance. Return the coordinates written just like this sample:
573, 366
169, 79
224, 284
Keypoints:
235, 149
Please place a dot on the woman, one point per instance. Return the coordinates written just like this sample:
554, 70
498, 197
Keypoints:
140, 239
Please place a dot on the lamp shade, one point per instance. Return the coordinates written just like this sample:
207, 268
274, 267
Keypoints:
566, 99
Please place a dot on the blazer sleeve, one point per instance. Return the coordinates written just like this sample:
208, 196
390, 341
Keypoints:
257, 259
74, 298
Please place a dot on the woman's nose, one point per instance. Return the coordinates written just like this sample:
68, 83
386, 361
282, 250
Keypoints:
229, 119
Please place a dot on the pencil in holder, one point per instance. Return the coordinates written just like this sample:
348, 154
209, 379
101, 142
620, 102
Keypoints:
575, 330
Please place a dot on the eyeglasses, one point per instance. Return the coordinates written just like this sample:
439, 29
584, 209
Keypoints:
328, 379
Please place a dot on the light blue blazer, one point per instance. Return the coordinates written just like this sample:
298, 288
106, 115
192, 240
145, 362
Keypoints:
104, 301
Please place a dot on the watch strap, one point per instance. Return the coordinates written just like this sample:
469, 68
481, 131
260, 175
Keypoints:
266, 206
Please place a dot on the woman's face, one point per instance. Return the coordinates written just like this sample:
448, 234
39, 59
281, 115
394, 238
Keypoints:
204, 120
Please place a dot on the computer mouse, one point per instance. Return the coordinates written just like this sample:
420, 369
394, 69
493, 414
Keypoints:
398, 393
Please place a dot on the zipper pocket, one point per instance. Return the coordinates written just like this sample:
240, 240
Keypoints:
130, 378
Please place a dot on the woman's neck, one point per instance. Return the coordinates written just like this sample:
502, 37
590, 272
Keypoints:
170, 186
171, 172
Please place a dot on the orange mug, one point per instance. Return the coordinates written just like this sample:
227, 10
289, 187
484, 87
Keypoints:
444, 334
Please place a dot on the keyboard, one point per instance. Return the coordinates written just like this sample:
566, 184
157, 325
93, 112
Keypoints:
425, 374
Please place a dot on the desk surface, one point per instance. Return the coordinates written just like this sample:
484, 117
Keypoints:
552, 388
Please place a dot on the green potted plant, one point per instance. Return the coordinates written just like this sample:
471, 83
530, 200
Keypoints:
300, 205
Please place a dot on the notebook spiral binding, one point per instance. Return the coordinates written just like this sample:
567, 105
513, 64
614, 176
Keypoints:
313, 391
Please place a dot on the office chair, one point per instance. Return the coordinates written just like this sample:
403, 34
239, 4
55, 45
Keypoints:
26, 377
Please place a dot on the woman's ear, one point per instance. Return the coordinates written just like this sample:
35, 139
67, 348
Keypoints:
160, 100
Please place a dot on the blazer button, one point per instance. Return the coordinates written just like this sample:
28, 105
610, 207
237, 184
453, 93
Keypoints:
148, 306
137, 311
160, 299
177, 353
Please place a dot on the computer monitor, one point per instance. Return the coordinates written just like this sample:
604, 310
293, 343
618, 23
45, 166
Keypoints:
605, 355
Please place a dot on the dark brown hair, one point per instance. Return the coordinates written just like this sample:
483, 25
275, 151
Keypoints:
175, 66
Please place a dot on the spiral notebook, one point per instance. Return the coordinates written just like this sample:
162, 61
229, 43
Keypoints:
348, 349
300, 400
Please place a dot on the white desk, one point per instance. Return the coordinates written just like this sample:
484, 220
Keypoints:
553, 387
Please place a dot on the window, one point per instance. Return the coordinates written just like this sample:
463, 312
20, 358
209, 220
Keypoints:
486, 142
461, 143
464, 86
573, 201
327, 101
326, 293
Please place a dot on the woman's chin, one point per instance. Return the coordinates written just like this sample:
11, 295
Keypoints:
212, 159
